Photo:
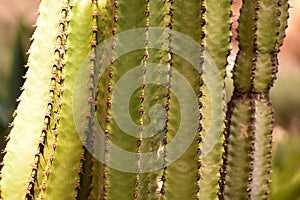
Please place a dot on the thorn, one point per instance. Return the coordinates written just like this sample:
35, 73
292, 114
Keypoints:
10, 125
31, 180
54, 146
116, 4
110, 73
55, 132
35, 167
109, 87
107, 118
46, 172
116, 18
7, 138
71, 4
94, 43
41, 142
82, 158
77, 185
61, 89
90, 99
105, 187
4, 151
42, 187
50, 158
80, 170
28, 194
64, 7
112, 59
114, 31
147, 13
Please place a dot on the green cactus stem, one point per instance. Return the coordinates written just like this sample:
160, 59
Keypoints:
215, 43
237, 158
56, 152
264, 121
78, 48
24, 152
254, 73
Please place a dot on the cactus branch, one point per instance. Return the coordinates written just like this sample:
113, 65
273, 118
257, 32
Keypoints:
254, 73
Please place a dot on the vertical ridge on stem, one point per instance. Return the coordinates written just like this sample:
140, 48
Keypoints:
26, 152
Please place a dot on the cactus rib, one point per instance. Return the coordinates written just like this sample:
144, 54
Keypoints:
25, 152
87, 168
167, 25
68, 141
128, 17
262, 67
262, 134
182, 13
215, 38
54, 103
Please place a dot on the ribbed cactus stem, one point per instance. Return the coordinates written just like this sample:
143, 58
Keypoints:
87, 169
262, 131
167, 59
101, 180
129, 15
254, 73
78, 49
26, 152
141, 181
215, 39
237, 158
104, 100
54, 104
283, 15
97, 172
55, 147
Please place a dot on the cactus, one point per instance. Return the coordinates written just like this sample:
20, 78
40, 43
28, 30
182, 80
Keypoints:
54, 148
248, 134
8, 99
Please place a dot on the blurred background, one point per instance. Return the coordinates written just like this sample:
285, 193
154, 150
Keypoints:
16, 27
286, 101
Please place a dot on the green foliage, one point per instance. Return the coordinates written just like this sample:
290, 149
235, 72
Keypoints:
45, 158
285, 101
286, 174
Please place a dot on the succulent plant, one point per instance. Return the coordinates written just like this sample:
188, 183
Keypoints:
55, 149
